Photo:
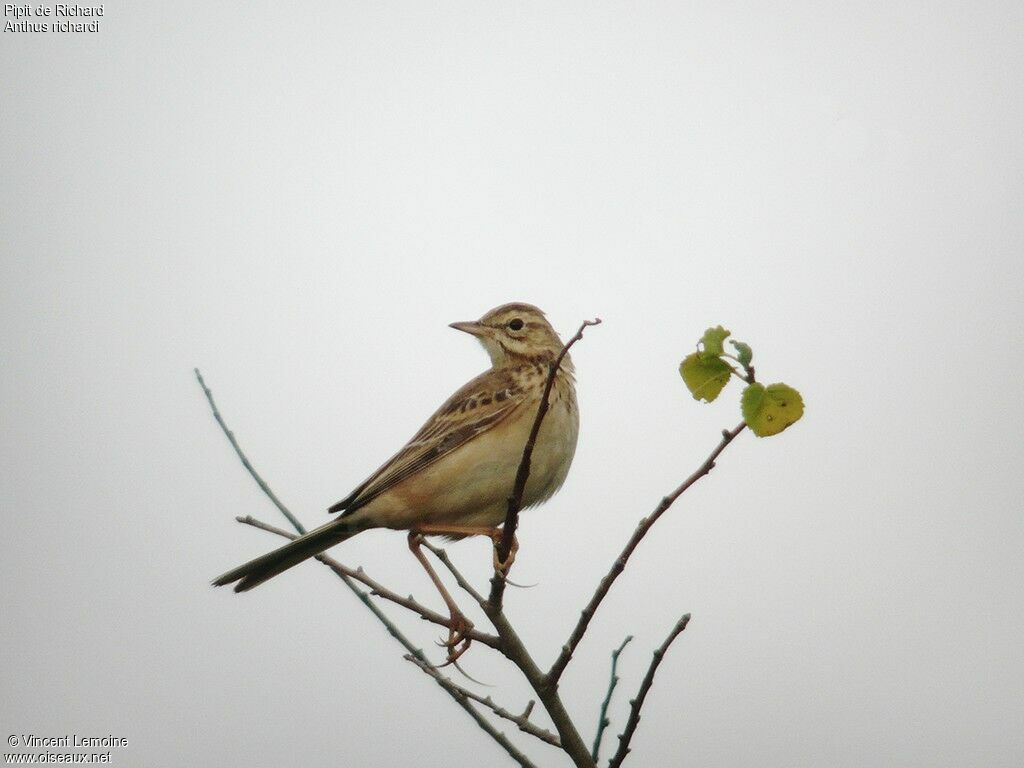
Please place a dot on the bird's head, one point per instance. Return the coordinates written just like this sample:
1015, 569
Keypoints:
515, 332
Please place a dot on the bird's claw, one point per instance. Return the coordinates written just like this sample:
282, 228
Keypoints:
458, 641
501, 566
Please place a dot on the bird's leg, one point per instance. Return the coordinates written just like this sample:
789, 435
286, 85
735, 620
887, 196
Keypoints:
475, 530
457, 642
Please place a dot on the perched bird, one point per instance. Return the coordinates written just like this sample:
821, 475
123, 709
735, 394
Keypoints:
455, 475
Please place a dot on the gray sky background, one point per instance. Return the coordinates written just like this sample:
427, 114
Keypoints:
298, 199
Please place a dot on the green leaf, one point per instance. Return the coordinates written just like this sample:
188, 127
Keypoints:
704, 375
743, 352
769, 410
713, 340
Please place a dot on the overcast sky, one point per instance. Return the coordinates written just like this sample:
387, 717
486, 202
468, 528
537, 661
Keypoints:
299, 198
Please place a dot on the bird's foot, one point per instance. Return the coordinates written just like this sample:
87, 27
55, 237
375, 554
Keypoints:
458, 641
503, 566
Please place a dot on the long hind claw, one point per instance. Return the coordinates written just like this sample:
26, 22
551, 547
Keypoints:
455, 653
458, 642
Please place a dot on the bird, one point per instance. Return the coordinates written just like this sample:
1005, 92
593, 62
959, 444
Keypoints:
455, 475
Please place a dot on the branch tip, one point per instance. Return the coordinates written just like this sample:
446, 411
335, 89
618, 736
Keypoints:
603, 720
636, 704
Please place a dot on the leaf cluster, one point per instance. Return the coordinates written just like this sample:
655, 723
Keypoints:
767, 410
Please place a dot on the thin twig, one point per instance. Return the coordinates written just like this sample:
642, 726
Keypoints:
637, 704
515, 501
602, 720
499, 738
245, 461
522, 721
620, 563
376, 588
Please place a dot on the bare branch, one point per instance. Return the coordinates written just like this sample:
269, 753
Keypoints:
522, 721
602, 720
376, 588
620, 563
515, 501
514, 650
637, 704
245, 461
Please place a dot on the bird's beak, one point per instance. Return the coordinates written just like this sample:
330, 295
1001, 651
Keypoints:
471, 327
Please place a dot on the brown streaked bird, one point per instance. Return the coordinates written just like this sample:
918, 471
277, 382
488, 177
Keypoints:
455, 475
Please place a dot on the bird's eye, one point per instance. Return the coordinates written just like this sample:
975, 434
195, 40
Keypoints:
515, 325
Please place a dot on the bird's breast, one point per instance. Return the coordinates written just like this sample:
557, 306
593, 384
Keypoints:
471, 485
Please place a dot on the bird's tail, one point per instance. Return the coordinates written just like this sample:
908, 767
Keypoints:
255, 572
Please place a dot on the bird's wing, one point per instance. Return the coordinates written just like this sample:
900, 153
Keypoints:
477, 407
